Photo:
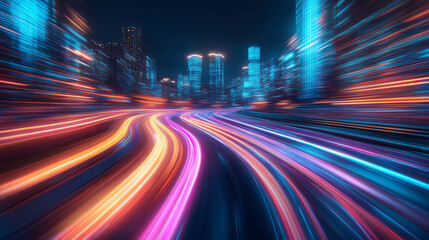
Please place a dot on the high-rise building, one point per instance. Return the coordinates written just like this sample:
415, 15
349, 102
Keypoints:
236, 93
132, 42
180, 82
252, 85
183, 86
169, 88
118, 67
245, 89
216, 77
195, 72
100, 68
268, 77
314, 47
287, 80
133, 51
151, 75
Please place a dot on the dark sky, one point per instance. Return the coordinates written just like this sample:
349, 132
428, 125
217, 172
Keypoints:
172, 29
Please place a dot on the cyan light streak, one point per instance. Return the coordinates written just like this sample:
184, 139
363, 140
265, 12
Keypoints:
376, 167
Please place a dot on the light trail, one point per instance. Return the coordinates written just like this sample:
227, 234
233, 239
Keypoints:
95, 219
149, 175
286, 213
63, 163
164, 225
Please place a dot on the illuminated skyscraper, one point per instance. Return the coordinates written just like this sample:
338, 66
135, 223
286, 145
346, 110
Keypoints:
31, 19
287, 80
132, 45
314, 47
252, 84
169, 88
237, 90
194, 72
268, 77
183, 86
132, 42
151, 75
217, 77
100, 69
118, 67
245, 89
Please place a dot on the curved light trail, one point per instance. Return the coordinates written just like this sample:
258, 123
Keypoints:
229, 174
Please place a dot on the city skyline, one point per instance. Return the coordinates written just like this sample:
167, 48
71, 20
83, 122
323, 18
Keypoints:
220, 119
269, 28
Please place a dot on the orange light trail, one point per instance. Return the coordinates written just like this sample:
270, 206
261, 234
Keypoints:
63, 163
95, 219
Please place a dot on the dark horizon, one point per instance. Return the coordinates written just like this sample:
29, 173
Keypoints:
172, 30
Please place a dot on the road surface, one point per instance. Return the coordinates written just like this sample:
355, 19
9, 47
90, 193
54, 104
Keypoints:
212, 174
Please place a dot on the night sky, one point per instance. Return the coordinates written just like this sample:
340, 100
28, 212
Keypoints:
173, 29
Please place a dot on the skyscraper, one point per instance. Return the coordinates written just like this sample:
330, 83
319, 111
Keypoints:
252, 85
132, 45
194, 72
245, 89
132, 42
183, 86
119, 69
314, 47
268, 76
216, 77
286, 83
237, 90
100, 69
151, 75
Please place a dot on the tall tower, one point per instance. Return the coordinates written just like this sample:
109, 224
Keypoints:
151, 75
314, 47
217, 77
183, 86
252, 86
194, 72
132, 45
245, 93
132, 42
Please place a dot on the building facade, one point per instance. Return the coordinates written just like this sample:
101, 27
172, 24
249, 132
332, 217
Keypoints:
314, 49
133, 55
216, 77
195, 68
183, 86
150, 70
268, 77
252, 85
287, 80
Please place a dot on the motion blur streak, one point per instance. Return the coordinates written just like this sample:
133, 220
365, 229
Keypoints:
49, 128
282, 204
63, 163
95, 219
165, 223
137, 174
349, 157
354, 189
325, 137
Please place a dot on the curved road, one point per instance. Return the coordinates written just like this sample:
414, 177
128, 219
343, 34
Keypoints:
212, 174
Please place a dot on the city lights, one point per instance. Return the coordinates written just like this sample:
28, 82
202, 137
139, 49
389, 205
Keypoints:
283, 119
